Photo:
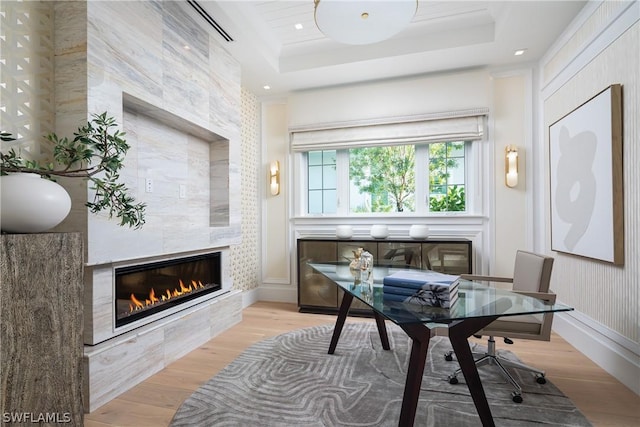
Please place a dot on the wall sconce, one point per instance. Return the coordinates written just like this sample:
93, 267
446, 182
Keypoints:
511, 166
274, 178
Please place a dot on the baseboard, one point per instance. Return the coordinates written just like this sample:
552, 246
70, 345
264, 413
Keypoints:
277, 293
617, 355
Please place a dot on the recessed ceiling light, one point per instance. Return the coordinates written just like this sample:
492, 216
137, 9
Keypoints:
186, 47
266, 87
298, 26
519, 52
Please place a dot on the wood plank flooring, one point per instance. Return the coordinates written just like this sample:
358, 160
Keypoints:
600, 397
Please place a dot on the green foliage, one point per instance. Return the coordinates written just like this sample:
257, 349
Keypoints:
387, 174
95, 153
453, 201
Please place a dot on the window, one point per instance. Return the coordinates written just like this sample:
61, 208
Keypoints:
446, 177
322, 182
387, 179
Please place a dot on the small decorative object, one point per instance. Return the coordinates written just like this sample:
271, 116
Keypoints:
366, 273
30, 204
379, 231
344, 231
354, 265
96, 153
419, 231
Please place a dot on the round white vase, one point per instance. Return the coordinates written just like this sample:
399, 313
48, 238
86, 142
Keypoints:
30, 204
379, 231
419, 231
344, 231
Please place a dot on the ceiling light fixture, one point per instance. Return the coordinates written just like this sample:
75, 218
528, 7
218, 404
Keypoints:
519, 52
298, 26
363, 22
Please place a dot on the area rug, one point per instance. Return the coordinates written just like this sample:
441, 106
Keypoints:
290, 380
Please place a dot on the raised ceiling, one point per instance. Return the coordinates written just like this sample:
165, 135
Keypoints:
443, 36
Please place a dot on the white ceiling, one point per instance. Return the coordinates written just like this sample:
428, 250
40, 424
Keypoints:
443, 36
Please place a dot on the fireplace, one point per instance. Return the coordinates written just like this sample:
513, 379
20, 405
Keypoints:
146, 289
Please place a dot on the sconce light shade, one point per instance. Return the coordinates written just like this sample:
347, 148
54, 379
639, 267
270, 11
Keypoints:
511, 166
274, 178
363, 22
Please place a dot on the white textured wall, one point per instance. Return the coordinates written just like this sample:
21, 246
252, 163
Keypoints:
606, 293
602, 49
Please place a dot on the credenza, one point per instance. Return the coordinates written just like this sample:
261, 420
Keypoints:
316, 294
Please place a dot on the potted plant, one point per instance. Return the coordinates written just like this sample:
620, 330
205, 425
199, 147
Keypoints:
96, 153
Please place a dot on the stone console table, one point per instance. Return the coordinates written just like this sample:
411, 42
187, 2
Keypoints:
41, 291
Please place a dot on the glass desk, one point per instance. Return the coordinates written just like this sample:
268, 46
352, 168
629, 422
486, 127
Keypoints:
477, 306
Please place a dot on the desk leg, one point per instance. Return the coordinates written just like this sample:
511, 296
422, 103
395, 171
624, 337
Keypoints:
342, 316
458, 335
382, 330
420, 335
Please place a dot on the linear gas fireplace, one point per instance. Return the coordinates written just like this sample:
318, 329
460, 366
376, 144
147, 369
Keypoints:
147, 289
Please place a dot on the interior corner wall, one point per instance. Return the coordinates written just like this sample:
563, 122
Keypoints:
603, 50
510, 214
275, 225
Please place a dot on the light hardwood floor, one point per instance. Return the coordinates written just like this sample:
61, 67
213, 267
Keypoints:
603, 399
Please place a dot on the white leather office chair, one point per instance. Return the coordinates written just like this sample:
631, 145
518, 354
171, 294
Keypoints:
531, 276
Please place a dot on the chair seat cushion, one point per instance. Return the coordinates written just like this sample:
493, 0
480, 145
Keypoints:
527, 324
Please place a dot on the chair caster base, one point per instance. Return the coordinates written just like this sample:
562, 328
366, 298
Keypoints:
448, 356
516, 397
453, 379
540, 379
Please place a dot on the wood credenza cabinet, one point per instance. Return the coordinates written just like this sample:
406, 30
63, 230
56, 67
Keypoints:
317, 294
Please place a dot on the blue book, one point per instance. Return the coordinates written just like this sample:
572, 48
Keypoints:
422, 279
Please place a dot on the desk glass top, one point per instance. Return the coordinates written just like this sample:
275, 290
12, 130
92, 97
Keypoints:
475, 300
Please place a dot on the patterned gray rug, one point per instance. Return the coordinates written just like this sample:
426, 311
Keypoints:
290, 380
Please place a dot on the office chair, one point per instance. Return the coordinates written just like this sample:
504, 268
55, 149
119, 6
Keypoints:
531, 276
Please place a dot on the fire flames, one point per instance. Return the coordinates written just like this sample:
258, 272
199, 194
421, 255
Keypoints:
183, 289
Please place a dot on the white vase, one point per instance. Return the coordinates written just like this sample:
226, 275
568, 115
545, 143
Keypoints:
379, 231
344, 231
30, 204
419, 231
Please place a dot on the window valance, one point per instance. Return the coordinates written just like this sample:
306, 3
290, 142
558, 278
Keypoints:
465, 125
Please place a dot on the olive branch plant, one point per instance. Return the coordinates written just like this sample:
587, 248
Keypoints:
97, 148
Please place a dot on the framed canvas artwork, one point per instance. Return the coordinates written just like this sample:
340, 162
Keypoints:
585, 155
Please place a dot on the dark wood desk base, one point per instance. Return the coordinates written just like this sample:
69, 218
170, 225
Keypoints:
459, 332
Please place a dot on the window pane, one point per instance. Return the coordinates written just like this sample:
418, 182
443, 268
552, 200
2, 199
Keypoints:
382, 179
447, 177
329, 201
329, 179
457, 149
456, 175
322, 181
329, 157
314, 157
315, 177
315, 202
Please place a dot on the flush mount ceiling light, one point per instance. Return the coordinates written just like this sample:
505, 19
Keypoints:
363, 22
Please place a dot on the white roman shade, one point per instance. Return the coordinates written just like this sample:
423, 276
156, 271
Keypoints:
465, 125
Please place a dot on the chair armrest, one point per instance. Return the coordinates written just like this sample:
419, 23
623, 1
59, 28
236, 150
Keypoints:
486, 278
547, 297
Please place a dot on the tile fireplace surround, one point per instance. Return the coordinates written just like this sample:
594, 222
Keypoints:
180, 109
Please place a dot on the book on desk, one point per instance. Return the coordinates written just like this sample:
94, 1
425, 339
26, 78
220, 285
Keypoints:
429, 288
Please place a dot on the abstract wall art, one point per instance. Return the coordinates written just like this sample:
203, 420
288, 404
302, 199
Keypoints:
585, 154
